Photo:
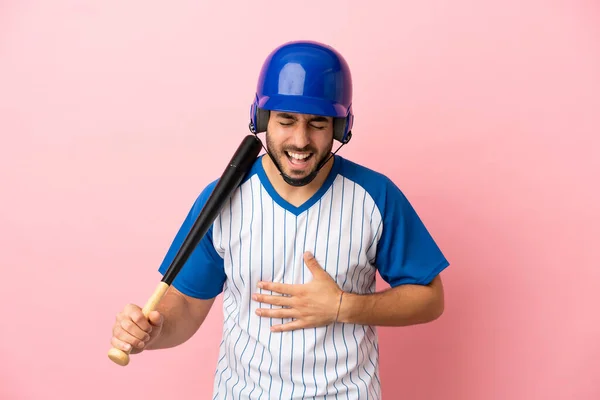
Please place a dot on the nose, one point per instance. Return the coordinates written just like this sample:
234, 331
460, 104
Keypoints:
300, 138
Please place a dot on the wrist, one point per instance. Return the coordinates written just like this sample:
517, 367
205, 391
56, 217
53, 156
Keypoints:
337, 308
349, 307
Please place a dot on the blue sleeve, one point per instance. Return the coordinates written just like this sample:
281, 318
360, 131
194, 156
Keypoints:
202, 276
406, 252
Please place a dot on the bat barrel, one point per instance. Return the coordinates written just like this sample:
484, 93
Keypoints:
230, 179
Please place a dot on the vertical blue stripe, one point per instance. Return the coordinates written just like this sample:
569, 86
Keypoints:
372, 339
239, 268
343, 286
262, 247
315, 329
270, 305
232, 264
250, 288
365, 289
304, 330
226, 296
361, 242
364, 271
376, 231
224, 322
369, 283
325, 268
233, 281
220, 231
282, 281
337, 266
293, 279
362, 227
242, 279
240, 237
228, 335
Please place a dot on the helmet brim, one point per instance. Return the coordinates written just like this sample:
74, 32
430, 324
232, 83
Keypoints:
302, 105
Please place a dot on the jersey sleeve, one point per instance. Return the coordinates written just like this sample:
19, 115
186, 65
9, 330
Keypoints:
406, 251
202, 276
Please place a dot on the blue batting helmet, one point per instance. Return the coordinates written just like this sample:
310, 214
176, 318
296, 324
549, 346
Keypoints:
305, 77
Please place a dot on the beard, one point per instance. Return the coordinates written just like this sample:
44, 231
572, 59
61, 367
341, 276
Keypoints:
279, 158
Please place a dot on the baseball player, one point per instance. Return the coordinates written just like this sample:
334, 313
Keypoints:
296, 249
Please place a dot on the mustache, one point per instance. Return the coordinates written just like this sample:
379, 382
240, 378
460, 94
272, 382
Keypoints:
307, 149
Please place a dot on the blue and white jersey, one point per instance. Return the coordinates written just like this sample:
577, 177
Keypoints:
357, 224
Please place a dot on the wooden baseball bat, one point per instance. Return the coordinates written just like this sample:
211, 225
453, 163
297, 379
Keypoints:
234, 173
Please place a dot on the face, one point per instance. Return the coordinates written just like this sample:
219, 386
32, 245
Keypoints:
299, 142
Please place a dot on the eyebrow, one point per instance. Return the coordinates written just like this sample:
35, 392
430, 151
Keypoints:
316, 118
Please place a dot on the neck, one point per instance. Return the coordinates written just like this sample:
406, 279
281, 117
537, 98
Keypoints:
292, 194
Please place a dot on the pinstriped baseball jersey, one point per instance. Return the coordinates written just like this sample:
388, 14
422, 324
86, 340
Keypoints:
357, 224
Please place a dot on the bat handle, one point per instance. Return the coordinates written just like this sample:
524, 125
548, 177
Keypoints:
121, 357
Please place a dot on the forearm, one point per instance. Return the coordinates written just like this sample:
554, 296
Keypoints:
400, 306
179, 323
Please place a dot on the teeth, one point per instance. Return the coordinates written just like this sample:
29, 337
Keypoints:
298, 156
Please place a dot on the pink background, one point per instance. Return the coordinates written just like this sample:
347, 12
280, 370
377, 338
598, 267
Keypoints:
113, 115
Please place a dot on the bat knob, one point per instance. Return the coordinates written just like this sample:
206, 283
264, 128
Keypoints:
118, 357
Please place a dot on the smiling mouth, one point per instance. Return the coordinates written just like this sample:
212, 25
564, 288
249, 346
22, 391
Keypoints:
298, 159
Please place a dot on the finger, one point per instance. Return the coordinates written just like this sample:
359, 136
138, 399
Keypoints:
312, 264
289, 326
119, 344
276, 312
140, 320
127, 337
274, 300
155, 318
127, 325
282, 288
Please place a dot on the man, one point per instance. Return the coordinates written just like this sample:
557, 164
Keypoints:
295, 252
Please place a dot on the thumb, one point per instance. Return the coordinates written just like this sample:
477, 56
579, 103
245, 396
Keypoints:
312, 264
155, 318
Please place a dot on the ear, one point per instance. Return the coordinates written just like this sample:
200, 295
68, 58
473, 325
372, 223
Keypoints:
262, 120
341, 129
259, 118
